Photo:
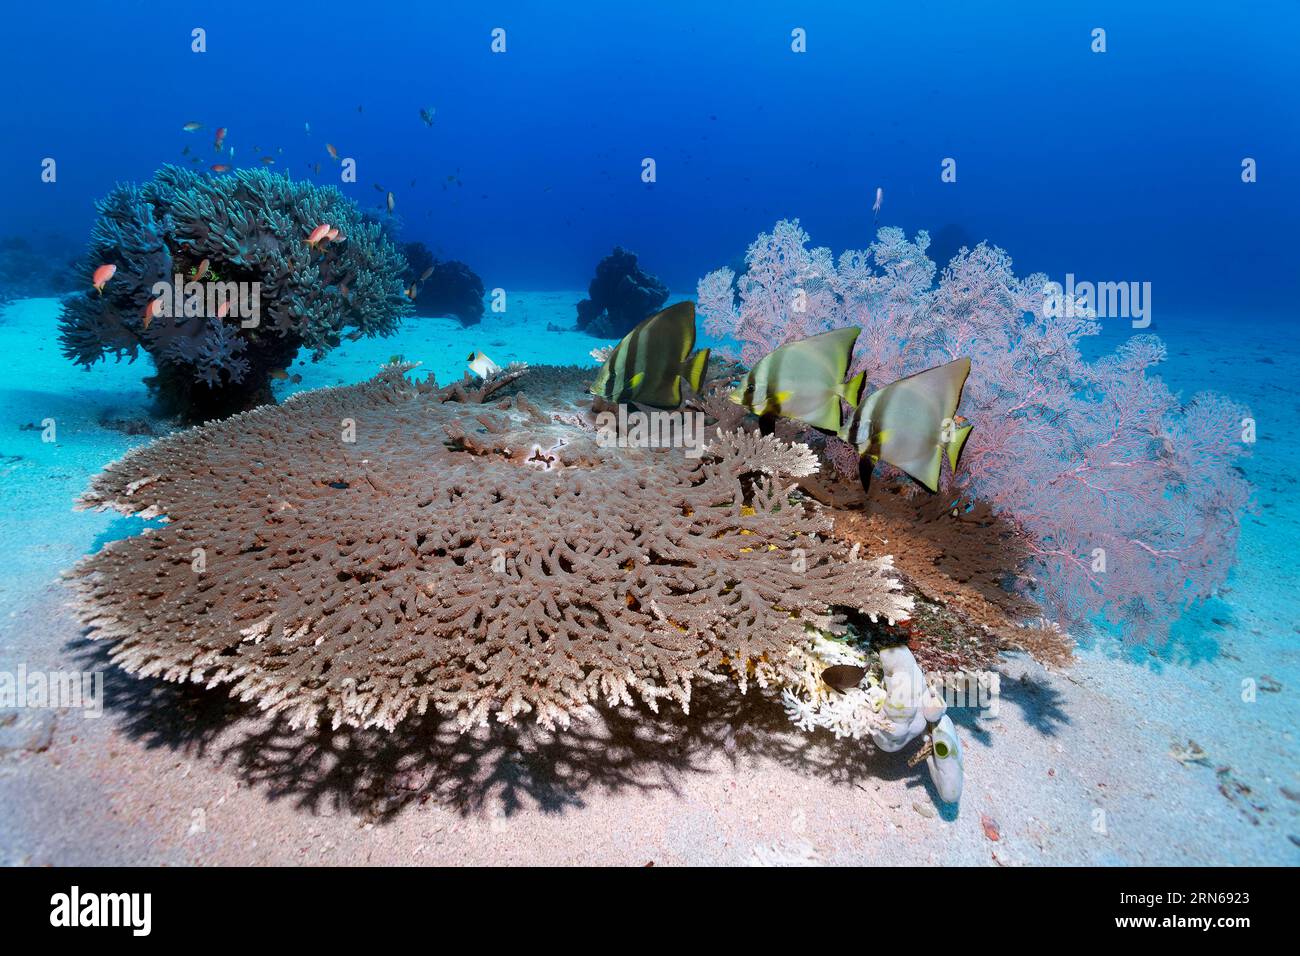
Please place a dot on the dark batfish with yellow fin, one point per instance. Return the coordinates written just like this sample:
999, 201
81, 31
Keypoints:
804, 380
912, 424
646, 365
843, 677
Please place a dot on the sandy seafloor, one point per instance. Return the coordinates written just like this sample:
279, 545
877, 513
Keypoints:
1075, 769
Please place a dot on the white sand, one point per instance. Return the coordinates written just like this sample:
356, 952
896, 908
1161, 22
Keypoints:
1075, 770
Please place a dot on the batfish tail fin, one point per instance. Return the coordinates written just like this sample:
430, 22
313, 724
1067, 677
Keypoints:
957, 444
696, 366
851, 390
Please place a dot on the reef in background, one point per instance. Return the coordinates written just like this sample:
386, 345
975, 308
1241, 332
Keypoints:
442, 286
251, 226
620, 296
37, 269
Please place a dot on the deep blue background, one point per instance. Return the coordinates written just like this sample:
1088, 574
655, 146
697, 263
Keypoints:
1121, 166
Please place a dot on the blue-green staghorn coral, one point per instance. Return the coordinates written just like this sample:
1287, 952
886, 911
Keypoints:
251, 227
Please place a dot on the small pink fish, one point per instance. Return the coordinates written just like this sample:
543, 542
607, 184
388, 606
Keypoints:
101, 276
150, 311
221, 136
319, 233
201, 271
880, 199
223, 309
220, 168
332, 234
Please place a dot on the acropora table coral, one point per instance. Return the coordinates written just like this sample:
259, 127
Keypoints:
363, 553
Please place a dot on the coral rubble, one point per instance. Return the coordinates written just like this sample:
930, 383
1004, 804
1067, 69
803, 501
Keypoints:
619, 297
251, 229
367, 552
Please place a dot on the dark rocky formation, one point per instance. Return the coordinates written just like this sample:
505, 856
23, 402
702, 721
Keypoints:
619, 297
35, 269
452, 288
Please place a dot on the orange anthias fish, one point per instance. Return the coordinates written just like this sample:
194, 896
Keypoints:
201, 271
334, 153
221, 137
332, 235
319, 233
101, 276
150, 310
220, 168
223, 309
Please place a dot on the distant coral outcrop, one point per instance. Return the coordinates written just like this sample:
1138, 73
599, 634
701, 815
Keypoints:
442, 286
259, 279
34, 268
619, 297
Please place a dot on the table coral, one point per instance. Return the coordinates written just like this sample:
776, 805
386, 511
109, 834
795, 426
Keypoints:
483, 558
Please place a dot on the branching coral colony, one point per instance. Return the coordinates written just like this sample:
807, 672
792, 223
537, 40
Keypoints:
221, 279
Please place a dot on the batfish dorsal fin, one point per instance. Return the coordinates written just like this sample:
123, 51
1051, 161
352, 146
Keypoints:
673, 327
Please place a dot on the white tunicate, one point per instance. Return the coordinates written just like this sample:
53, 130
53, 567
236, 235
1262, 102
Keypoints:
945, 760
932, 705
905, 691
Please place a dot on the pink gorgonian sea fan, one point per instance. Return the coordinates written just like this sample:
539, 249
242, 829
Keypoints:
1128, 495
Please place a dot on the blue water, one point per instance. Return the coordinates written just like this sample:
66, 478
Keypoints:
1123, 165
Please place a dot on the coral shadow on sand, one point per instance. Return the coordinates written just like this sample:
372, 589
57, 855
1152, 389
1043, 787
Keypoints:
376, 774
